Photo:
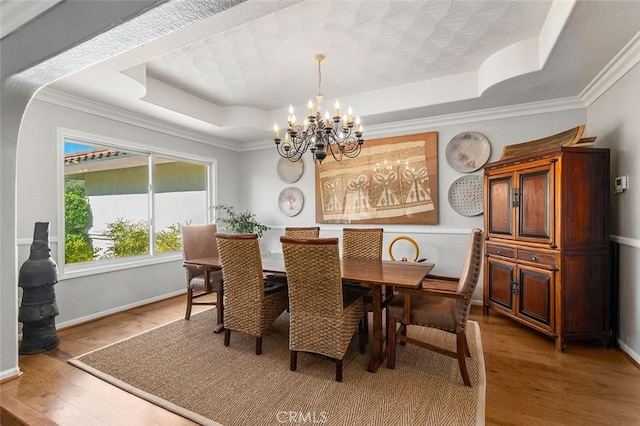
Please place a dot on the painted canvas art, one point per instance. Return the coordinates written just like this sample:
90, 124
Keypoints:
393, 180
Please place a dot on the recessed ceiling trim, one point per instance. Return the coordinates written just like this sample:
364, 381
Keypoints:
518, 59
554, 24
411, 126
527, 55
83, 105
17, 13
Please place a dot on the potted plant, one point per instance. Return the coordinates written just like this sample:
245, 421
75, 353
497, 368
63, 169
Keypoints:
238, 222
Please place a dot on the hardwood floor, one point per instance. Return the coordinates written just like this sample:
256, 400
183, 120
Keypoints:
528, 382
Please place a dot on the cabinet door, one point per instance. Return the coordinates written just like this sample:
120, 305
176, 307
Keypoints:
499, 208
501, 278
535, 204
536, 296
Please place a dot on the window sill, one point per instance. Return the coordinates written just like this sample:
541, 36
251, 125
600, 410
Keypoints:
107, 266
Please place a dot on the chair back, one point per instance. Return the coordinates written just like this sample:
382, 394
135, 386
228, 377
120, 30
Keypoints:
302, 232
362, 243
242, 275
469, 275
314, 277
198, 241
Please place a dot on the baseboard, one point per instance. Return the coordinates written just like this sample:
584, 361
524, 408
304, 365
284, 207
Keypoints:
633, 356
102, 314
10, 374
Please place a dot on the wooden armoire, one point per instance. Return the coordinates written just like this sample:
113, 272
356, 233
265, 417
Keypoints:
546, 214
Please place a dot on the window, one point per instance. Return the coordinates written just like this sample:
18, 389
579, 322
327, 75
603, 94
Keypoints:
125, 203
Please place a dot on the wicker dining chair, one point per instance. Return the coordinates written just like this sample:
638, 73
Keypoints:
441, 303
363, 243
302, 232
294, 232
323, 321
251, 305
199, 241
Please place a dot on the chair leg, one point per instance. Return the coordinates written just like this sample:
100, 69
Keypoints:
391, 347
189, 303
293, 363
403, 332
227, 336
461, 359
259, 345
338, 370
466, 346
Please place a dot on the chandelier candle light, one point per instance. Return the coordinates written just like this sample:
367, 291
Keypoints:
342, 137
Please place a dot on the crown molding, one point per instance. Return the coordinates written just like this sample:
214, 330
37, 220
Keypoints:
17, 13
621, 64
419, 124
498, 113
77, 103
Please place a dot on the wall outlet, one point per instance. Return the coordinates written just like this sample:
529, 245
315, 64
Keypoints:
621, 184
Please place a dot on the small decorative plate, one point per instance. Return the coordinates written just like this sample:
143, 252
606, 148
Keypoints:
465, 195
468, 151
290, 171
290, 201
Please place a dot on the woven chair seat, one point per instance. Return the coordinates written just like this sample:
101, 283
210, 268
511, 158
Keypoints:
271, 287
276, 278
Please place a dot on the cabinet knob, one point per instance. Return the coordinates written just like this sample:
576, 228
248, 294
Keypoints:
499, 251
534, 258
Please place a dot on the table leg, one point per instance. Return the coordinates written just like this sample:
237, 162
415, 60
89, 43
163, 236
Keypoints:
219, 302
376, 358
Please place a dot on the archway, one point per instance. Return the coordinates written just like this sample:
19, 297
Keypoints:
56, 54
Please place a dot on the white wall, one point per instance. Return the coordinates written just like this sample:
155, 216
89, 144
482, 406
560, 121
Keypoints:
44, 50
38, 200
615, 118
443, 244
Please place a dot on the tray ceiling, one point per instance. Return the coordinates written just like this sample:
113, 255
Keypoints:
231, 76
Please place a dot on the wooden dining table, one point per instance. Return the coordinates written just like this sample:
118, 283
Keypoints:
374, 274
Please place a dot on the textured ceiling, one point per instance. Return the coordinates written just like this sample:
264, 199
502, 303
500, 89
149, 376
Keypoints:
232, 75
369, 45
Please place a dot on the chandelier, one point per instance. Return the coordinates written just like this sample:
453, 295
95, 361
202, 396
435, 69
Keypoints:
341, 136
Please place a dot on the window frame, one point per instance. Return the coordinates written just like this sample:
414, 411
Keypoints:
110, 265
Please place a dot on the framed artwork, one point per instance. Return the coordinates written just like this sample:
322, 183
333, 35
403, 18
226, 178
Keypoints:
393, 180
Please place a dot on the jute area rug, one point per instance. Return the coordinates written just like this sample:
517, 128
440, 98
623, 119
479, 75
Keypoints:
184, 367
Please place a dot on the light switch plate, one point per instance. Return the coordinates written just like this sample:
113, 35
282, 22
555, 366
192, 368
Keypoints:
621, 183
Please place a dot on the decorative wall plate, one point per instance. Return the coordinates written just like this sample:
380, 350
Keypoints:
465, 195
468, 151
290, 201
290, 171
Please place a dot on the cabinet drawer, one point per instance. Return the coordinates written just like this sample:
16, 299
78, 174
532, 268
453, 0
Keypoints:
501, 251
545, 259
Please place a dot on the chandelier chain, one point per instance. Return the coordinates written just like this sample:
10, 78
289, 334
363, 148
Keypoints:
319, 77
